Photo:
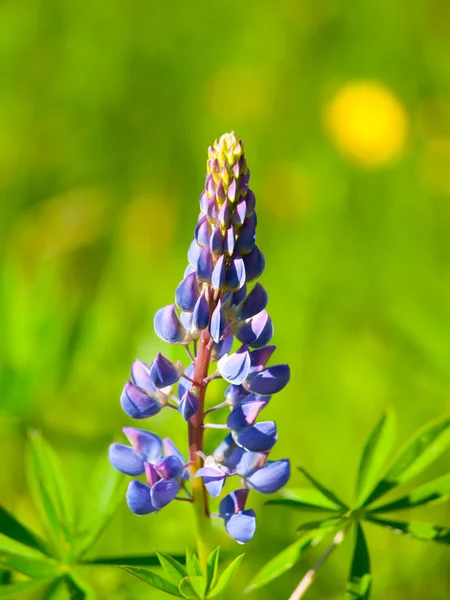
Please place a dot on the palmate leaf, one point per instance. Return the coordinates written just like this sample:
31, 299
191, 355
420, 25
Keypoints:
172, 568
417, 454
26, 560
359, 580
331, 496
419, 531
14, 591
306, 499
154, 580
212, 568
106, 491
376, 451
437, 490
226, 577
285, 560
12, 528
193, 587
49, 492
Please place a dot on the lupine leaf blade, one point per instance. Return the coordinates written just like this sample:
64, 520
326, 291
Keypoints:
153, 580
285, 560
325, 491
26, 560
360, 579
78, 588
172, 568
376, 451
420, 531
57, 591
226, 577
193, 587
212, 568
423, 448
192, 564
437, 490
149, 560
307, 499
15, 530
13, 591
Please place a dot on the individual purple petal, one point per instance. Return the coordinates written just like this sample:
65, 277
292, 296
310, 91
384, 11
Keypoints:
171, 450
125, 459
233, 502
218, 322
202, 232
137, 403
254, 264
169, 467
216, 241
229, 241
147, 444
224, 449
250, 201
241, 526
194, 253
212, 210
258, 332
218, 274
186, 319
140, 374
188, 270
163, 372
187, 293
243, 183
259, 358
239, 295
138, 498
270, 380
245, 414
235, 277
214, 486
184, 384
220, 192
188, 405
222, 348
225, 214
258, 437
213, 478
247, 235
249, 462
163, 492
271, 477
235, 394
254, 303
205, 265
200, 316
231, 192
238, 216
204, 201
168, 326
235, 367
209, 184
151, 474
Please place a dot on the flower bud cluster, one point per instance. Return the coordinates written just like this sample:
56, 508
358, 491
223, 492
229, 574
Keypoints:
215, 309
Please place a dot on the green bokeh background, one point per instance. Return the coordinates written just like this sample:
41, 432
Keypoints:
106, 112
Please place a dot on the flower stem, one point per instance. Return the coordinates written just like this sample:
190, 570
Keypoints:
310, 576
200, 499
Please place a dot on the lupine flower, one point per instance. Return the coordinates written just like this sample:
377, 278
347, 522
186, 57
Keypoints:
215, 304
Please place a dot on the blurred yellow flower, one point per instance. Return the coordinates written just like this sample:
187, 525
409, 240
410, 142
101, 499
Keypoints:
367, 122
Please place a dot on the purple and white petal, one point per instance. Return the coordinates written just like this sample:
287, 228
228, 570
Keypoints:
138, 498
234, 368
200, 316
163, 372
254, 264
258, 437
270, 380
254, 303
140, 375
188, 406
271, 477
187, 293
163, 492
258, 332
168, 326
205, 265
169, 467
125, 459
241, 526
147, 444
218, 322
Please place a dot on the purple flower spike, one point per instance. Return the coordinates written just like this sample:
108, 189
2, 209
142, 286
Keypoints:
258, 332
188, 405
235, 277
137, 403
245, 414
187, 293
147, 444
163, 372
254, 264
200, 316
241, 526
140, 374
218, 274
168, 326
163, 492
205, 265
216, 241
125, 459
271, 477
194, 254
270, 380
217, 325
258, 437
254, 303
169, 467
138, 498
235, 367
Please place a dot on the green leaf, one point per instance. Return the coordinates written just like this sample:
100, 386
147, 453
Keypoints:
326, 524
419, 531
433, 491
212, 567
106, 491
49, 492
376, 451
322, 489
150, 560
12, 528
154, 580
192, 564
78, 588
285, 560
14, 591
193, 587
26, 560
226, 577
172, 568
419, 452
308, 499
57, 591
359, 580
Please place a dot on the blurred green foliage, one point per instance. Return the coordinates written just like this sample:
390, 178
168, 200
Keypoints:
106, 112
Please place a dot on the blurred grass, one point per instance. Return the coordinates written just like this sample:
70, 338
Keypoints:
106, 111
